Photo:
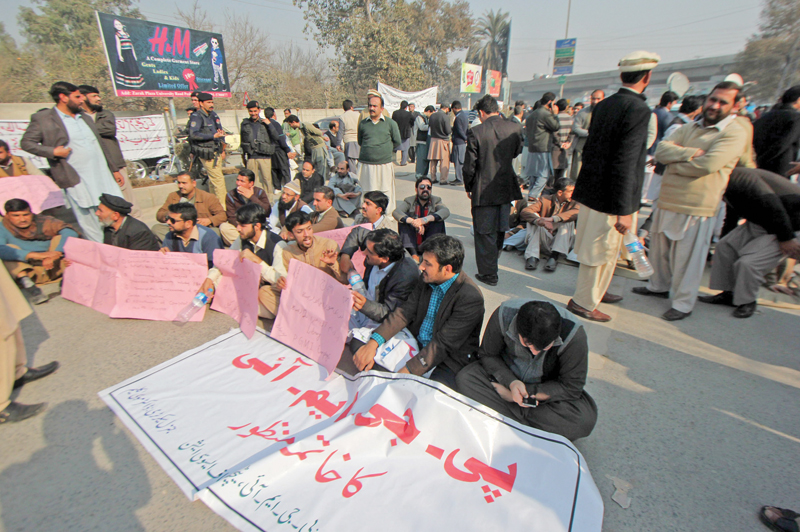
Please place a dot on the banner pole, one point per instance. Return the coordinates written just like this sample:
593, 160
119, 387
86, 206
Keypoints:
172, 112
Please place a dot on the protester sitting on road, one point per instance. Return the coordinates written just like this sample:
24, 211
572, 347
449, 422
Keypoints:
210, 212
309, 179
15, 165
390, 276
444, 313
288, 203
420, 217
551, 226
325, 217
122, 230
532, 368
373, 211
515, 236
13, 370
347, 189
245, 192
261, 246
186, 235
32, 246
315, 251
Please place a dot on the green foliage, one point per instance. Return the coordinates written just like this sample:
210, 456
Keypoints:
492, 30
403, 44
772, 57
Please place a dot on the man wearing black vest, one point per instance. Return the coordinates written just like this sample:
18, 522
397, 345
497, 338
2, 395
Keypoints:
261, 246
609, 185
257, 147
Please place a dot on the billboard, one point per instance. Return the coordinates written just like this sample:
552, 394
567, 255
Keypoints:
493, 79
470, 77
565, 57
152, 59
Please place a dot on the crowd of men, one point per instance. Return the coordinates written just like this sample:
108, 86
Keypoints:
586, 170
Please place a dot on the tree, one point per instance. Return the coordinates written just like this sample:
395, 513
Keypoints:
393, 41
772, 57
492, 31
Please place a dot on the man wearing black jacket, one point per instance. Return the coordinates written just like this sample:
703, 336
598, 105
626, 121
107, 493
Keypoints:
390, 277
122, 230
776, 135
257, 147
771, 205
609, 185
405, 121
532, 368
491, 183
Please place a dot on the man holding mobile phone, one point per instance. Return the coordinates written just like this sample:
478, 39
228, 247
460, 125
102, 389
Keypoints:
532, 368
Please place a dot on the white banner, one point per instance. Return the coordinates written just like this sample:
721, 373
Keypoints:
251, 428
139, 138
392, 97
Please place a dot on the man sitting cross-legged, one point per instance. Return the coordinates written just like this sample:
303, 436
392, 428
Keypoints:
315, 251
551, 226
122, 230
444, 313
532, 368
244, 193
261, 246
187, 236
420, 217
32, 246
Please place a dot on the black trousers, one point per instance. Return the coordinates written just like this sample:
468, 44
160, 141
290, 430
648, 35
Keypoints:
408, 235
571, 419
412, 154
490, 223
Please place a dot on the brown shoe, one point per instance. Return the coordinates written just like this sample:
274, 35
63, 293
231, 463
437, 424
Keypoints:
611, 298
593, 315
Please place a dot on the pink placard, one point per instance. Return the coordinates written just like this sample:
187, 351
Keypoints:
313, 314
340, 235
147, 285
38, 190
237, 290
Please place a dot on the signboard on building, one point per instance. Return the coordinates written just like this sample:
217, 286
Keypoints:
152, 59
565, 57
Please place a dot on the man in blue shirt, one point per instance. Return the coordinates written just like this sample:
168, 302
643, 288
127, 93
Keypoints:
444, 312
186, 236
32, 246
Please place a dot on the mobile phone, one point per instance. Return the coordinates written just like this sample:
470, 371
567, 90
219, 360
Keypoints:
530, 402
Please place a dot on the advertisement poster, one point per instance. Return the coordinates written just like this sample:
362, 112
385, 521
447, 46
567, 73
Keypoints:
152, 59
493, 78
470, 77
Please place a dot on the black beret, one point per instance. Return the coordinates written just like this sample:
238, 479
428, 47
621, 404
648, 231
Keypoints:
204, 97
116, 203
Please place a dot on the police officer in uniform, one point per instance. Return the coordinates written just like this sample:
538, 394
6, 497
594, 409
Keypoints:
258, 148
206, 140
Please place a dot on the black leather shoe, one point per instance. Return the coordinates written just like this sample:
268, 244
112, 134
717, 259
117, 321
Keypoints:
532, 263
36, 373
644, 291
723, 298
485, 279
745, 311
551, 265
35, 295
675, 315
17, 412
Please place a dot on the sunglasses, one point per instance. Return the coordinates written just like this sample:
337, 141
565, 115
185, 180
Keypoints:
425, 187
173, 220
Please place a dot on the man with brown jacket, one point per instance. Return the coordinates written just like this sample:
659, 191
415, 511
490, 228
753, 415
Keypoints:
210, 212
551, 226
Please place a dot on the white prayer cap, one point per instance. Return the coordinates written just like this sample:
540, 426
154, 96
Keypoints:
293, 185
638, 61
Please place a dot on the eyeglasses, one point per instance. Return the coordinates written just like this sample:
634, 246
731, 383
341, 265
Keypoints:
425, 187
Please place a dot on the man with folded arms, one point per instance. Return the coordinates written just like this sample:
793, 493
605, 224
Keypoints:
32, 246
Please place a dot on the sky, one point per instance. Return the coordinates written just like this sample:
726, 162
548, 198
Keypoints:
605, 31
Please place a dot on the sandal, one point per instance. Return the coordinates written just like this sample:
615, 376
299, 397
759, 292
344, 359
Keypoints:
786, 523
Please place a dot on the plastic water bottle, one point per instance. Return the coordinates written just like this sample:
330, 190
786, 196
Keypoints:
634, 247
357, 284
192, 308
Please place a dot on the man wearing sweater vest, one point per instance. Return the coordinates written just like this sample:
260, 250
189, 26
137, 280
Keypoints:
378, 137
699, 158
